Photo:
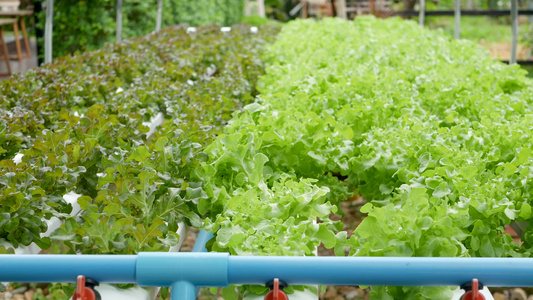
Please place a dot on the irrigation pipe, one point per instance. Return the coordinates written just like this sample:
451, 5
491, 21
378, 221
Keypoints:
185, 271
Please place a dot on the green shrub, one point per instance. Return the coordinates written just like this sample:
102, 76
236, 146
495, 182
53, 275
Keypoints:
87, 25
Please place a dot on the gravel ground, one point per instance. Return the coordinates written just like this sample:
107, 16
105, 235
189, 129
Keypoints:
503, 51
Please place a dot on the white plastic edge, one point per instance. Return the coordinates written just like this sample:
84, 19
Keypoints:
253, 29
154, 123
18, 158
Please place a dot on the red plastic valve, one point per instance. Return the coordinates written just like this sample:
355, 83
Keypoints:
473, 294
276, 293
83, 292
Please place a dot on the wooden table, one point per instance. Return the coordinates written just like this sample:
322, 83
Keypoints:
19, 14
3, 45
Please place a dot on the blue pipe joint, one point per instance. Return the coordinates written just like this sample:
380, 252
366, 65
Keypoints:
182, 290
166, 269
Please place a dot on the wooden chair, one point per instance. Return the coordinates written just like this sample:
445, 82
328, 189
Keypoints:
9, 5
3, 46
323, 7
10, 9
379, 8
315, 7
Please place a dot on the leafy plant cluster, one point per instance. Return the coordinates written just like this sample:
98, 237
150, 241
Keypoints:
434, 134
82, 126
87, 25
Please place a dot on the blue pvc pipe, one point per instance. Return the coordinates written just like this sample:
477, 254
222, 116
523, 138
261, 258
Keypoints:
219, 269
201, 240
65, 268
164, 269
199, 246
395, 271
182, 290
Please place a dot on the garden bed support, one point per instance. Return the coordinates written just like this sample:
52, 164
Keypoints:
514, 30
119, 21
159, 15
48, 31
457, 19
421, 16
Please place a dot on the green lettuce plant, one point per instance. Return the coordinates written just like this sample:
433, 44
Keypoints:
434, 134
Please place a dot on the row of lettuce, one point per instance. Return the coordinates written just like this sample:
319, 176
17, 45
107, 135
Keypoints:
434, 134
81, 125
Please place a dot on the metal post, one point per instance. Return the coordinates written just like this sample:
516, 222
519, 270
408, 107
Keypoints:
159, 15
341, 9
247, 8
261, 8
119, 21
48, 31
514, 29
530, 6
422, 14
457, 30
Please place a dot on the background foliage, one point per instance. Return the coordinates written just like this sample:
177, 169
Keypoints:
87, 25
